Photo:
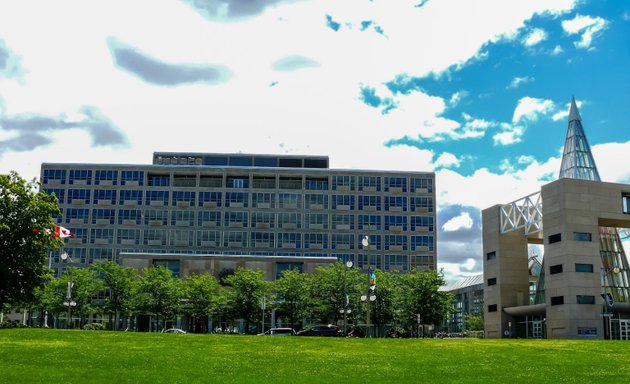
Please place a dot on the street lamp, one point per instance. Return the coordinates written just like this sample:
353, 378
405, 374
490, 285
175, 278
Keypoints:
69, 302
345, 297
371, 280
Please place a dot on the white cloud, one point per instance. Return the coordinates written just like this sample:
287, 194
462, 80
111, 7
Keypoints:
608, 157
510, 134
463, 221
534, 37
587, 26
447, 160
518, 81
530, 108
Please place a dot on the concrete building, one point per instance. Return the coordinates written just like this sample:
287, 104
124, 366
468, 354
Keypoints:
583, 290
196, 212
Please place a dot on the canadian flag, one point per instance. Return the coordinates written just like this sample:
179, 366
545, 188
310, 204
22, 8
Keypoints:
62, 232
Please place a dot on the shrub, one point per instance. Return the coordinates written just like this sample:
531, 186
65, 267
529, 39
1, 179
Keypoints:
94, 327
12, 324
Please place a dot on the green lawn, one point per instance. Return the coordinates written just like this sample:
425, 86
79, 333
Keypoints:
55, 356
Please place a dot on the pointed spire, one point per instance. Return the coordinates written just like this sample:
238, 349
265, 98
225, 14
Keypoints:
574, 114
577, 159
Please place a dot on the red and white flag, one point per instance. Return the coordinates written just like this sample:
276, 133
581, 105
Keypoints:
62, 232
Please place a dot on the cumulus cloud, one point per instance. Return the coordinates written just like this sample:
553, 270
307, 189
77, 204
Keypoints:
30, 131
227, 10
294, 63
587, 27
160, 73
531, 108
463, 221
447, 160
518, 81
534, 37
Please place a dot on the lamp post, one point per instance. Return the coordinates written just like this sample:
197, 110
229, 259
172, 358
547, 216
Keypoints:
345, 297
69, 302
371, 277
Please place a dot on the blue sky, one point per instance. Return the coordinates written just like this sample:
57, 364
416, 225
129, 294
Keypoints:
477, 92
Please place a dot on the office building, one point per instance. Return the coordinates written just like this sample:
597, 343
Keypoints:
198, 212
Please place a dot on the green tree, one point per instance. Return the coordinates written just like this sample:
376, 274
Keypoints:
473, 322
119, 281
388, 296
85, 286
158, 293
245, 297
24, 209
205, 295
421, 296
292, 296
329, 286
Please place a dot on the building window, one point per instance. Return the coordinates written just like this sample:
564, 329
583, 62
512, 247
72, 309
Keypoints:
422, 223
555, 269
491, 255
132, 178
56, 176
555, 238
422, 185
183, 199
625, 199
209, 199
158, 180
80, 176
422, 243
171, 265
395, 184
370, 222
316, 184
76, 196
557, 300
588, 268
492, 281
59, 193
395, 223
370, 183
492, 308
343, 183
185, 180
130, 197
585, 299
281, 267
582, 236
238, 182
105, 177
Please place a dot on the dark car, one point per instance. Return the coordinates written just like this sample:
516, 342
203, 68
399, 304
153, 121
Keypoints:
321, 330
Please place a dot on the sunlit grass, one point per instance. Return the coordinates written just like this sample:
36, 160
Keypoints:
38, 355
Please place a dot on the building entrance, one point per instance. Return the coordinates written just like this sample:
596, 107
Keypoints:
537, 329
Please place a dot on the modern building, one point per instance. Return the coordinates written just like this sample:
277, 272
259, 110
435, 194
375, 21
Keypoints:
467, 300
198, 212
583, 289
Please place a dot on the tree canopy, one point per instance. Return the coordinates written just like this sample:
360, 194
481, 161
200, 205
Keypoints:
23, 209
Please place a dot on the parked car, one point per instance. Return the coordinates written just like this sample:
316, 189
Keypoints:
321, 330
173, 330
278, 332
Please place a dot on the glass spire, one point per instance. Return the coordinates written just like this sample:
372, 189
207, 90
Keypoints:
577, 160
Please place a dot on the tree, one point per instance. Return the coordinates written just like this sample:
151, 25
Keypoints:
422, 297
473, 322
119, 280
248, 289
159, 293
85, 286
329, 287
291, 295
23, 258
204, 296
388, 296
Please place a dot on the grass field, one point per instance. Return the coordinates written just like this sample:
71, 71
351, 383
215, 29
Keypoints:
55, 356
